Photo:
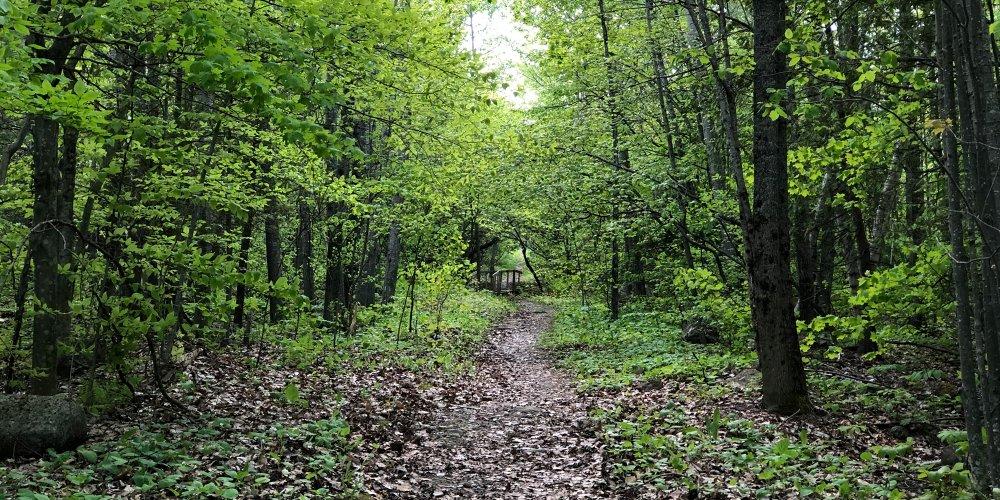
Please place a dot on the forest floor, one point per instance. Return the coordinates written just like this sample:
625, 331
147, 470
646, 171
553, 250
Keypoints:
517, 428
545, 401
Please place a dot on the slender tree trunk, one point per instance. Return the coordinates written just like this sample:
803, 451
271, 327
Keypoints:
666, 119
527, 261
367, 270
784, 381
960, 264
304, 251
242, 265
393, 250
980, 118
619, 156
726, 98
333, 281
805, 262
884, 212
20, 298
333, 284
273, 257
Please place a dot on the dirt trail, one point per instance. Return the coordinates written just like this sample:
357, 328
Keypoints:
516, 430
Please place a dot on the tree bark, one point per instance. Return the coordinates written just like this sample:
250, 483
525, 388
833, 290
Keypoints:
304, 251
784, 381
51, 241
394, 247
273, 257
971, 401
242, 265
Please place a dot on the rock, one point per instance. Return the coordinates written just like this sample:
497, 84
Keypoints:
30, 425
700, 331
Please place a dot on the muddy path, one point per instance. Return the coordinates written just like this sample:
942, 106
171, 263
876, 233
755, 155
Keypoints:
515, 430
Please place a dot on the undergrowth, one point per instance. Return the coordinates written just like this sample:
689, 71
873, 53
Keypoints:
678, 417
273, 428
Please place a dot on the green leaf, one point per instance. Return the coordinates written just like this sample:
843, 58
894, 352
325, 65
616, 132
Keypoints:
713, 424
88, 455
291, 393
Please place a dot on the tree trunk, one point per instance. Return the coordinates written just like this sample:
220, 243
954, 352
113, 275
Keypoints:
960, 265
51, 241
304, 251
394, 247
886, 206
784, 381
272, 253
333, 284
243, 262
980, 118
805, 263
371, 254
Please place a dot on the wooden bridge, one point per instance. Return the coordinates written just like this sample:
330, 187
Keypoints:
505, 281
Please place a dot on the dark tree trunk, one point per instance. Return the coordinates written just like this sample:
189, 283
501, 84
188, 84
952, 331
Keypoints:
805, 263
304, 251
333, 281
52, 239
636, 284
960, 265
20, 298
979, 114
619, 156
864, 264
273, 257
527, 261
243, 262
769, 253
367, 270
333, 284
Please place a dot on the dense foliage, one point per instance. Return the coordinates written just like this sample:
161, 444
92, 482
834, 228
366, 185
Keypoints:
304, 186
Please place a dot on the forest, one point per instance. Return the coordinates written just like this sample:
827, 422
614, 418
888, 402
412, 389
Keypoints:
407, 249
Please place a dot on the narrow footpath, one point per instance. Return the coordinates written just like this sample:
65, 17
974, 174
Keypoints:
517, 430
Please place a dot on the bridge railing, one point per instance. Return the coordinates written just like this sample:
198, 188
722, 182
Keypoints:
505, 281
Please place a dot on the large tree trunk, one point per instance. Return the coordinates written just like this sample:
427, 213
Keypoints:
769, 253
52, 239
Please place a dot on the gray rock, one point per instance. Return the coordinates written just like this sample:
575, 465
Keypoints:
30, 425
700, 331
